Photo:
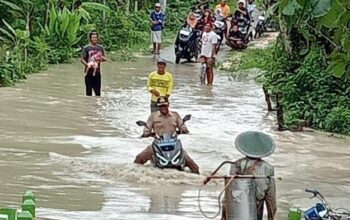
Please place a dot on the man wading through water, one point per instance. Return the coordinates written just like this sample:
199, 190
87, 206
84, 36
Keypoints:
160, 83
254, 145
209, 42
96, 52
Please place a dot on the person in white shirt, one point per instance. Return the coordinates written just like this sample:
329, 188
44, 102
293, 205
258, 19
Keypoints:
209, 46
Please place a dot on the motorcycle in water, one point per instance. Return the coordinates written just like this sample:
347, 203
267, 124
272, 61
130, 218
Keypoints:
167, 148
186, 44
319, 211
245, 29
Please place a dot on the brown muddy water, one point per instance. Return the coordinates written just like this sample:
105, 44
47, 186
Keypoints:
76, 152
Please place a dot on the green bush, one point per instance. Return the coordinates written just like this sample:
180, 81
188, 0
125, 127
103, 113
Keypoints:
309, 91
338, 120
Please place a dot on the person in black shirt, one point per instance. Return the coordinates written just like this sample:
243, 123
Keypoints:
235, 38
241, 12
93, 52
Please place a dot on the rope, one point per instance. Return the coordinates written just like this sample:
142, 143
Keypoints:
219, 200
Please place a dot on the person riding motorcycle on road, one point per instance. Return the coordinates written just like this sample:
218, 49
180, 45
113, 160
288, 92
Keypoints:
164, 122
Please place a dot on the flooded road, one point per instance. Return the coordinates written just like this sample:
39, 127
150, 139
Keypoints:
76, 152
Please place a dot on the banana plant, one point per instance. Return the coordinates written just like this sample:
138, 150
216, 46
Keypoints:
24, 10
19, 40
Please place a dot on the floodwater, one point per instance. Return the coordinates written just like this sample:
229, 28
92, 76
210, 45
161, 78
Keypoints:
76, 153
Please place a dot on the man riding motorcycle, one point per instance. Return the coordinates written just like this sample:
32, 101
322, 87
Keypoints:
164, 122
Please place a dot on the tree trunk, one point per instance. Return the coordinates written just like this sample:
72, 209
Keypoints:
47, 13
280, 119
73, 5
28, 31
267, 99
285, 35
127, 8
136, 8
104, 13
163, 4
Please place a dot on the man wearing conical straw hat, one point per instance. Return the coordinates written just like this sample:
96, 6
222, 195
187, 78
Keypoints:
254, 145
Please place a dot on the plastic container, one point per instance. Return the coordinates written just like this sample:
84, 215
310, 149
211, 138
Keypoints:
28, 195
25, 215
10, 212
294, 214
29, 205
4, 217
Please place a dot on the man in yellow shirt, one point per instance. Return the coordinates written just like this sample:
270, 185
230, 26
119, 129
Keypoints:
225, 9
160, 83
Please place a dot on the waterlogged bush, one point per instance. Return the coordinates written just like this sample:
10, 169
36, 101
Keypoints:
309, 91
338, 120
7, 74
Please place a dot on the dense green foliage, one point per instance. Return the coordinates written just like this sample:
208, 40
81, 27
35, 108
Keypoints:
323, 23
40, 32
309, 91
310, 63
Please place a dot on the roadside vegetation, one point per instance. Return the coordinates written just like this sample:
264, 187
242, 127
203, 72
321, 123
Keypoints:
36, 33
308, 67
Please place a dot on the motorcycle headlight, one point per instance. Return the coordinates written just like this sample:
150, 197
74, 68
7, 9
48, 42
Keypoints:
176, 158
162, 160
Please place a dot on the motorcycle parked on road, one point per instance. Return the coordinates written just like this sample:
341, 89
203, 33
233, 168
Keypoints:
244, 27
320, 211
187, 44
220, 29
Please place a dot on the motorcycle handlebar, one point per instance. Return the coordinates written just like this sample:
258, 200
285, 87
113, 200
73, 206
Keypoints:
311, 191
153, 134
315, 192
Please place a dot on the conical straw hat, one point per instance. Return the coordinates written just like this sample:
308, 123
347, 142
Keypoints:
255, 144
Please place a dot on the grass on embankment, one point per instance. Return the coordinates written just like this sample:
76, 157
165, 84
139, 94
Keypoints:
246, 64
142, 49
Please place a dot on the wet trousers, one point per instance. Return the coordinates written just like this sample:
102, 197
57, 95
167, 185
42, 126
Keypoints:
270, 206
93, 83
147, 154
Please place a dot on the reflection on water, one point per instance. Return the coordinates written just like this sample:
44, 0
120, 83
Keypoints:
76, 152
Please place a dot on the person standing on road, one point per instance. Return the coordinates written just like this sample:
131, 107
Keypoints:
160, 83
208, 50
157, 21
96, 52
224, 8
